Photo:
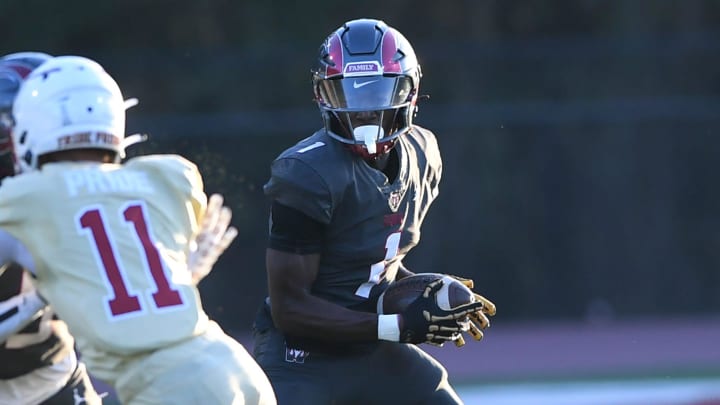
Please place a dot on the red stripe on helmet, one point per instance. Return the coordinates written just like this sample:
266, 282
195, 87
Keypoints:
389, 49
335, 51
18, 67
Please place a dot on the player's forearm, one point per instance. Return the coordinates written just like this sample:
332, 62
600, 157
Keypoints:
17, 312
313, 317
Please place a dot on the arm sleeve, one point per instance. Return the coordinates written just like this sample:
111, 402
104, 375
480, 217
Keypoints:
17, 312
294, 232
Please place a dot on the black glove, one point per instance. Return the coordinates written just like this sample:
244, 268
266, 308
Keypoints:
423, 321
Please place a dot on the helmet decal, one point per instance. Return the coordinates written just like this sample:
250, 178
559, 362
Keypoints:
334, 56
15, 69
367, 68
389, 50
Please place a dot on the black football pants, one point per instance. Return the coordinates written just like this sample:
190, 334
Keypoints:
384, 373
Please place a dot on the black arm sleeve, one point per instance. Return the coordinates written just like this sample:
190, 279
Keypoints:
294, 232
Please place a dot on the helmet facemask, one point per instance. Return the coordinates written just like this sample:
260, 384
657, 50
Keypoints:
367, 133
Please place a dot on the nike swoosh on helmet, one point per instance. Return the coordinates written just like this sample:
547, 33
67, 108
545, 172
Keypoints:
357, 85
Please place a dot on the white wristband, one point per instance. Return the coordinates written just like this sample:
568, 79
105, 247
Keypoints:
389, 327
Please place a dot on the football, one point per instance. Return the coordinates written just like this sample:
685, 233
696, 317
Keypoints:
404, 291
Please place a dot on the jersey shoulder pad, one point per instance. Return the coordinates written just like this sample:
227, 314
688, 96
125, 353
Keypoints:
174, 168
426, 148
296, 184
178, 173
162, 161
309, 177
425, 141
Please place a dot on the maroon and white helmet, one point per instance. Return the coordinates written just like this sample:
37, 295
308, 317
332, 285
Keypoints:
14, 68
366, 65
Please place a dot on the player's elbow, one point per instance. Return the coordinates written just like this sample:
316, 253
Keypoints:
285, 322
287, 316
281, 322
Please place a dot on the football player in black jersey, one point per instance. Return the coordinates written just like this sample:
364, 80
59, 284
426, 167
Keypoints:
38, 364
347, 206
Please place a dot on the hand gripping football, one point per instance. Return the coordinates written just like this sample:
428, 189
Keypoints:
404, 291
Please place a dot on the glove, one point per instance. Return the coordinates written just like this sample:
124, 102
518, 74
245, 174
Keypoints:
214, 237
476, 321
423, 321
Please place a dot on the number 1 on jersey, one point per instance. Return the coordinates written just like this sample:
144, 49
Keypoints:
377, 270
123, 302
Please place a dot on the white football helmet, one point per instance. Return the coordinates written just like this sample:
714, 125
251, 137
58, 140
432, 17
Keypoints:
68, 102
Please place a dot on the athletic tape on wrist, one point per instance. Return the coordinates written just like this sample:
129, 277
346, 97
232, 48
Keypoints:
388, 327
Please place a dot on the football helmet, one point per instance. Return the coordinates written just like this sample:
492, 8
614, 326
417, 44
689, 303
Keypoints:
13, 70
69, 102
366, 84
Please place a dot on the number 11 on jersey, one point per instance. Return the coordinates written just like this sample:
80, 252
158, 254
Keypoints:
123, 302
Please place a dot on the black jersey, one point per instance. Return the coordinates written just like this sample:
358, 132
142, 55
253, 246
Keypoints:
371, 222
36, 345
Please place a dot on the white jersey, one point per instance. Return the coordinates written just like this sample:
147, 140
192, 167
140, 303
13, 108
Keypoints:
109, 247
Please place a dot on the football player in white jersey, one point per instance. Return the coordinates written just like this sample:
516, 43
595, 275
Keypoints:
111, 244
38, 364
